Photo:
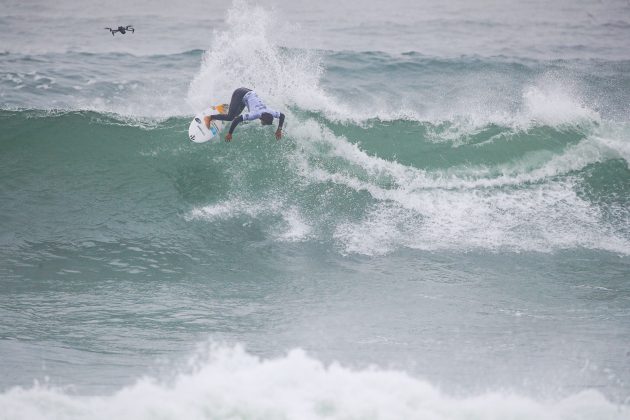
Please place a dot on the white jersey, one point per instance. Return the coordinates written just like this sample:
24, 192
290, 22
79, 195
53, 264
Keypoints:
256, 107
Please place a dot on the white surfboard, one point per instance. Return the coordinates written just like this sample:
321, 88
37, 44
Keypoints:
199, 133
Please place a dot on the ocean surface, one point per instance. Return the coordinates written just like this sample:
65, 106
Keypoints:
442, 233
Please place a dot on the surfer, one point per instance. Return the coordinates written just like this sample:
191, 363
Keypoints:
241, 98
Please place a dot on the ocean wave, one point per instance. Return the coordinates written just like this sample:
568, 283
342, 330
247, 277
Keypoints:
228, 382
526, 191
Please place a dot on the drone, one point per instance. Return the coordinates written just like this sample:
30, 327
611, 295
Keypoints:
121, 29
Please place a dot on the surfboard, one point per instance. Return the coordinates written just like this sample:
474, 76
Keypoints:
199, 133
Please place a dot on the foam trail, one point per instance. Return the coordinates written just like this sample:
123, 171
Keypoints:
291, 228
523, 206
588, 151
229, 383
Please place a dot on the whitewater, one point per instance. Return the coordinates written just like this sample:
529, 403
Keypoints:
443, 232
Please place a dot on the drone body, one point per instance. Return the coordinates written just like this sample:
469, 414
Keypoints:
121, 29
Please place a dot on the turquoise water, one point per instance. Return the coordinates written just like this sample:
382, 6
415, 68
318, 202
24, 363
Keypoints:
443, 231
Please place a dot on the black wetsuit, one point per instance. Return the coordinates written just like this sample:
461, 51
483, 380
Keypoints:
237, 105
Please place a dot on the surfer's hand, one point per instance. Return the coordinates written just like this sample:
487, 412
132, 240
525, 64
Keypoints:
206, 121
278, 134
228, 137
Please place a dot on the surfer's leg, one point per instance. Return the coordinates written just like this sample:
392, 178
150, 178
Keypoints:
236, 106
236, 103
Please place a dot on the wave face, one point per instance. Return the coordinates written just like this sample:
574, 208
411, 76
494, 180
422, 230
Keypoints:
369, 188
439, 234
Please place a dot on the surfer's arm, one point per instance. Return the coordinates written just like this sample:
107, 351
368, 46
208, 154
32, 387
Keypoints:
279, 130
236, 121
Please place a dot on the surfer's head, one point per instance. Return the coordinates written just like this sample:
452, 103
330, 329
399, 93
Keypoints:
266, 118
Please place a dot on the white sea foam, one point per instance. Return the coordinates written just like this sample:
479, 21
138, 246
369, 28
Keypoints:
297, 228
616, 138
539, 219
524, 206
555, 105
548, 101
529, 169
231, 208
290, 227
229, 383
